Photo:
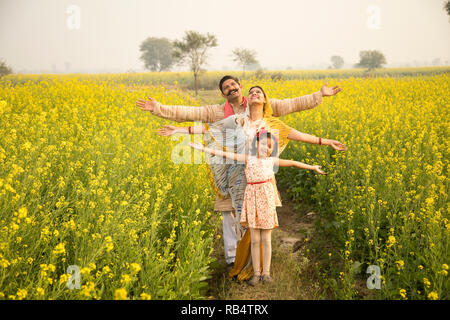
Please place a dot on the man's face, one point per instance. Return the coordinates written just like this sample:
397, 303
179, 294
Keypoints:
231, 90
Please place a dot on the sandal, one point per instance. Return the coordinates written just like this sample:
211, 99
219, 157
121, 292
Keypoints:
266, 278
254, 280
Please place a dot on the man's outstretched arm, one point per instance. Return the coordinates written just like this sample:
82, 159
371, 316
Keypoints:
206, 114
287, 106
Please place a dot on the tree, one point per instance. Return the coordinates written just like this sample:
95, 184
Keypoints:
245, 58
193, 50
371, 60
337, 62
4, 69
157, 54
447, 7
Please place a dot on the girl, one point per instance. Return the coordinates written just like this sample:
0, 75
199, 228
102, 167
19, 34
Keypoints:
260, 198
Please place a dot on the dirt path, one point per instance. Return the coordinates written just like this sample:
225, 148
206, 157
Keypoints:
290, 268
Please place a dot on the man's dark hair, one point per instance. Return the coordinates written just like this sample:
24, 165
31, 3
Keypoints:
225, 79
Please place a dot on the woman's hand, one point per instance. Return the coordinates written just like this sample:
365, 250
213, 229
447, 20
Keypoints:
168, 130
197, 146
336, 145
317, 169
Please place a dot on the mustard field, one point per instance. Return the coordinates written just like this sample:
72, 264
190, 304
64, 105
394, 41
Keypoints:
86, 183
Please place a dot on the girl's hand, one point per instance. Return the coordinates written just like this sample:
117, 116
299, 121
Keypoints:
317, 169
197, 146
336, 145
168, 131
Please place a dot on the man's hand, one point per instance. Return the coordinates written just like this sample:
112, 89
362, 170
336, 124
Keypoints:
326, 92
147, 105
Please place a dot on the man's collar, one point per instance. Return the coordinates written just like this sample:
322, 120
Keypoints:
240, 104
228, 109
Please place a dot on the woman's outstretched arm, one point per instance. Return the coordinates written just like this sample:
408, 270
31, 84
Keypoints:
304, 137
171, 130
234, 156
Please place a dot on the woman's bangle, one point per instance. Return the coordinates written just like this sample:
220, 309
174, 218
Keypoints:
320, 141
189, 129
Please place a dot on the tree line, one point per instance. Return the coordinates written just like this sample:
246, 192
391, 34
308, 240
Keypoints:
161, 54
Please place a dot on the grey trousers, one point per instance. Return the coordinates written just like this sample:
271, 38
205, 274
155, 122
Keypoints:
230, 236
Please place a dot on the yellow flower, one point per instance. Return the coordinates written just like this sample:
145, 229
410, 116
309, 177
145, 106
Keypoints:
23, 213
145, 296
109, 244
391, 241
135, 268
40, 291
106, 269
403, 293
400, 264
21, 294
87, 289
433, 295
63, 278
59, 249
120, 294
85, 271
126, 279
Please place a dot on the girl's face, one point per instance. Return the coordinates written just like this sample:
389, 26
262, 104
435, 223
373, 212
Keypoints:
265, 147
256, 95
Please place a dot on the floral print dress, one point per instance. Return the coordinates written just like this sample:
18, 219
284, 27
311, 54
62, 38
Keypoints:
261, 199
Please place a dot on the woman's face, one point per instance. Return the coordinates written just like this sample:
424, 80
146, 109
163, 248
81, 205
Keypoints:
255, 95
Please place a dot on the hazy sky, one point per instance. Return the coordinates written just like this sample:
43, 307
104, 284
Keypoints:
44, 35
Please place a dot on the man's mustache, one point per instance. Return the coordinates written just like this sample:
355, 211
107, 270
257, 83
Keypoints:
231, 92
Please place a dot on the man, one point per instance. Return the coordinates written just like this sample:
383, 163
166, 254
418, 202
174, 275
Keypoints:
231, 90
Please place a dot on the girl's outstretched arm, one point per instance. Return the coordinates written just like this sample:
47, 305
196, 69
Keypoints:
304, 137
297, 164
230, 155
171, 130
